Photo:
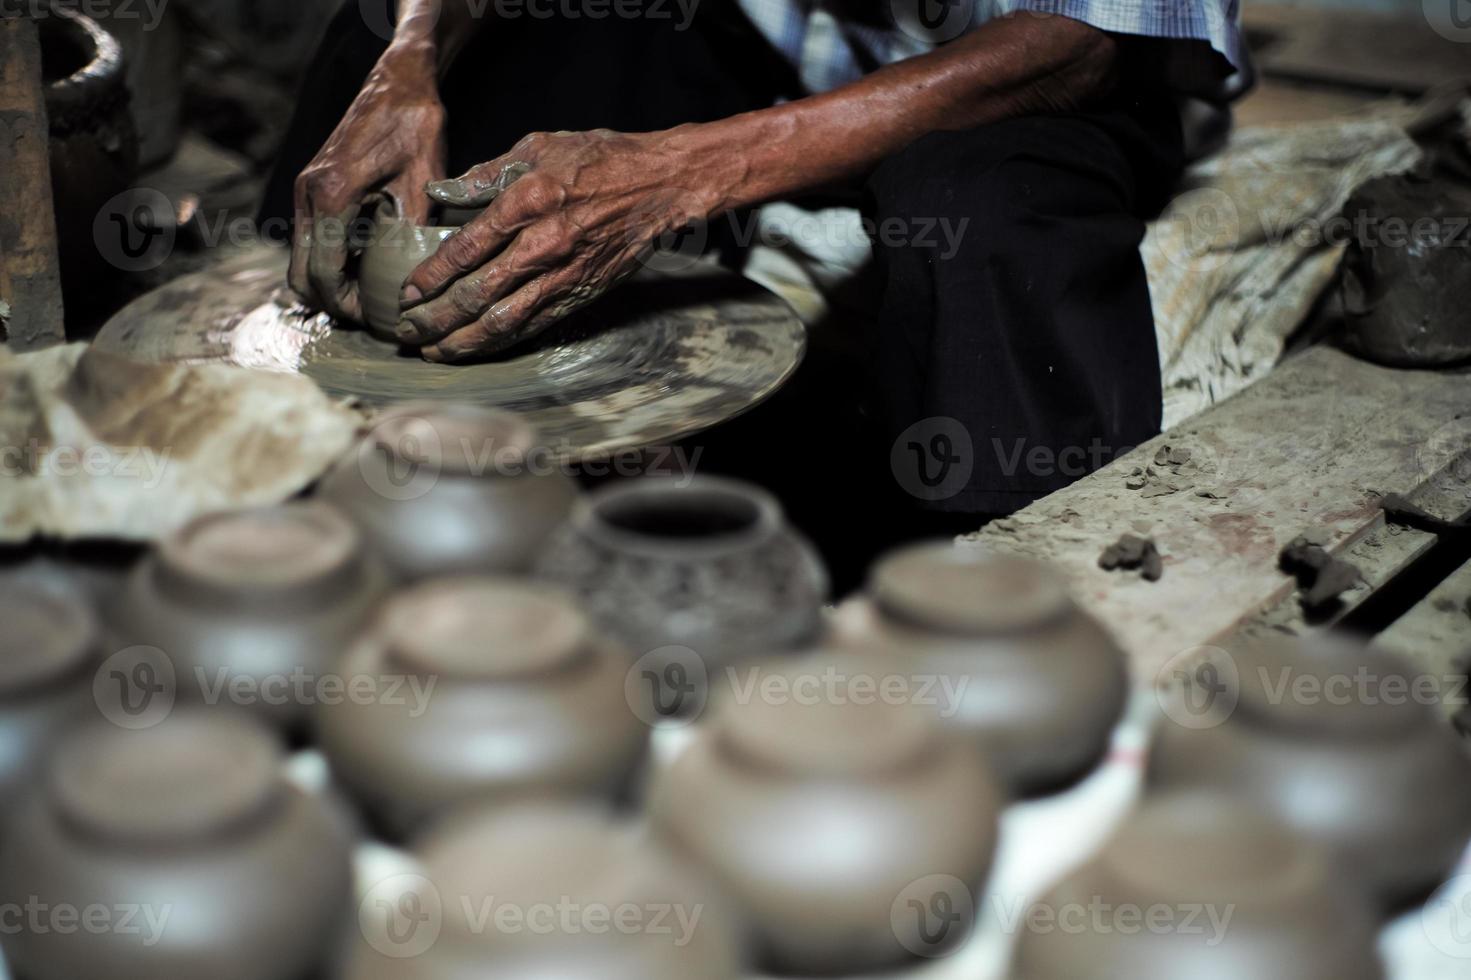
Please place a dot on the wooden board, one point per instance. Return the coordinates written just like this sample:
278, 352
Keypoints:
1435, 635
1315, 445
30, 276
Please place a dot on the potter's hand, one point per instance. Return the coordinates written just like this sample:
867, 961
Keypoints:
392, 138
567, 215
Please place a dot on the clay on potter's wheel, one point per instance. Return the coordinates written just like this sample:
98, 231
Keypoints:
396, 250
1404, 288
662, 356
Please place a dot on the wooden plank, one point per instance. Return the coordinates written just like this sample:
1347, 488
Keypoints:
1386, 52
1435, 635
1314, 445
30, 278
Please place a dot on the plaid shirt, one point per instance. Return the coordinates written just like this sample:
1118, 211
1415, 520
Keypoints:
830, 49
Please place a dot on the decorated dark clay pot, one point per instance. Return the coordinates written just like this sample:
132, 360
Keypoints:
187, 848
1021, 667
824, 812
49, 651
480, 687
1200, 885
1332, 738
440, 488
709, 566
251, 608
546, 891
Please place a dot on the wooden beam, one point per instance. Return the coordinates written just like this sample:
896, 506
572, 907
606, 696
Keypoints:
30, 277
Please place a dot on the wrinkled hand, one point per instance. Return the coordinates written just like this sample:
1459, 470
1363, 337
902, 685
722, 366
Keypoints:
391, 139
567, 216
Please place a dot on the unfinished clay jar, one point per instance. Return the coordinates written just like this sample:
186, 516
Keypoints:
1033, 678
709, 566
252, 608
395, 248
49, 651
590, 899
1200, 885
501, 690
224, 869
440, 488
822, 815
1331, 738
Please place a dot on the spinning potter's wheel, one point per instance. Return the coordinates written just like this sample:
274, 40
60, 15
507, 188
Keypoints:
663, 356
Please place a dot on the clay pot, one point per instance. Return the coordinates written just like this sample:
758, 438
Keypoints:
1199, 885
93, 144
501, 689
1376, 777
440, 488
822, 815
395, 248
49, 650
252, 608
223, 869
710, 566
521, 866
1034, 679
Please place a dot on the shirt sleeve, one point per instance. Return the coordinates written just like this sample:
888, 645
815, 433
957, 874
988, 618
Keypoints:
1214, 22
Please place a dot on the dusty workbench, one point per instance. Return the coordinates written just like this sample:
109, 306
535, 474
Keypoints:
1312, 447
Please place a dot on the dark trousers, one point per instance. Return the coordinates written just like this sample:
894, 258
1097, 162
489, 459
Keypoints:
1014, 346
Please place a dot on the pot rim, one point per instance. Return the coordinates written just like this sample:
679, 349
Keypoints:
764, 519
97, 80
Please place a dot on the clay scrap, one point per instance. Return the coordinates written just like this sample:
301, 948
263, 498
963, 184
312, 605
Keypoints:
95, 445
1131, 551
1173, 470
1320, 577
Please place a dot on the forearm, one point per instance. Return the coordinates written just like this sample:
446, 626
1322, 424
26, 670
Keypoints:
431, 33
1012, 66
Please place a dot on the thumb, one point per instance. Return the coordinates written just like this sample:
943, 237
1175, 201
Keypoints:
478, 186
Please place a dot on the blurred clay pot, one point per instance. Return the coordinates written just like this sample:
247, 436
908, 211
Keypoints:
49, 652
1328, 735
545, 857
395, 248
709, 567
1201, 886
231, 872
441, 488
825, 816
93, 143
502, 690
252, 608
1037, 681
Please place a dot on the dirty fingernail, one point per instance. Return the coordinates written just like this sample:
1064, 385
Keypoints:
410, 296
432, 353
